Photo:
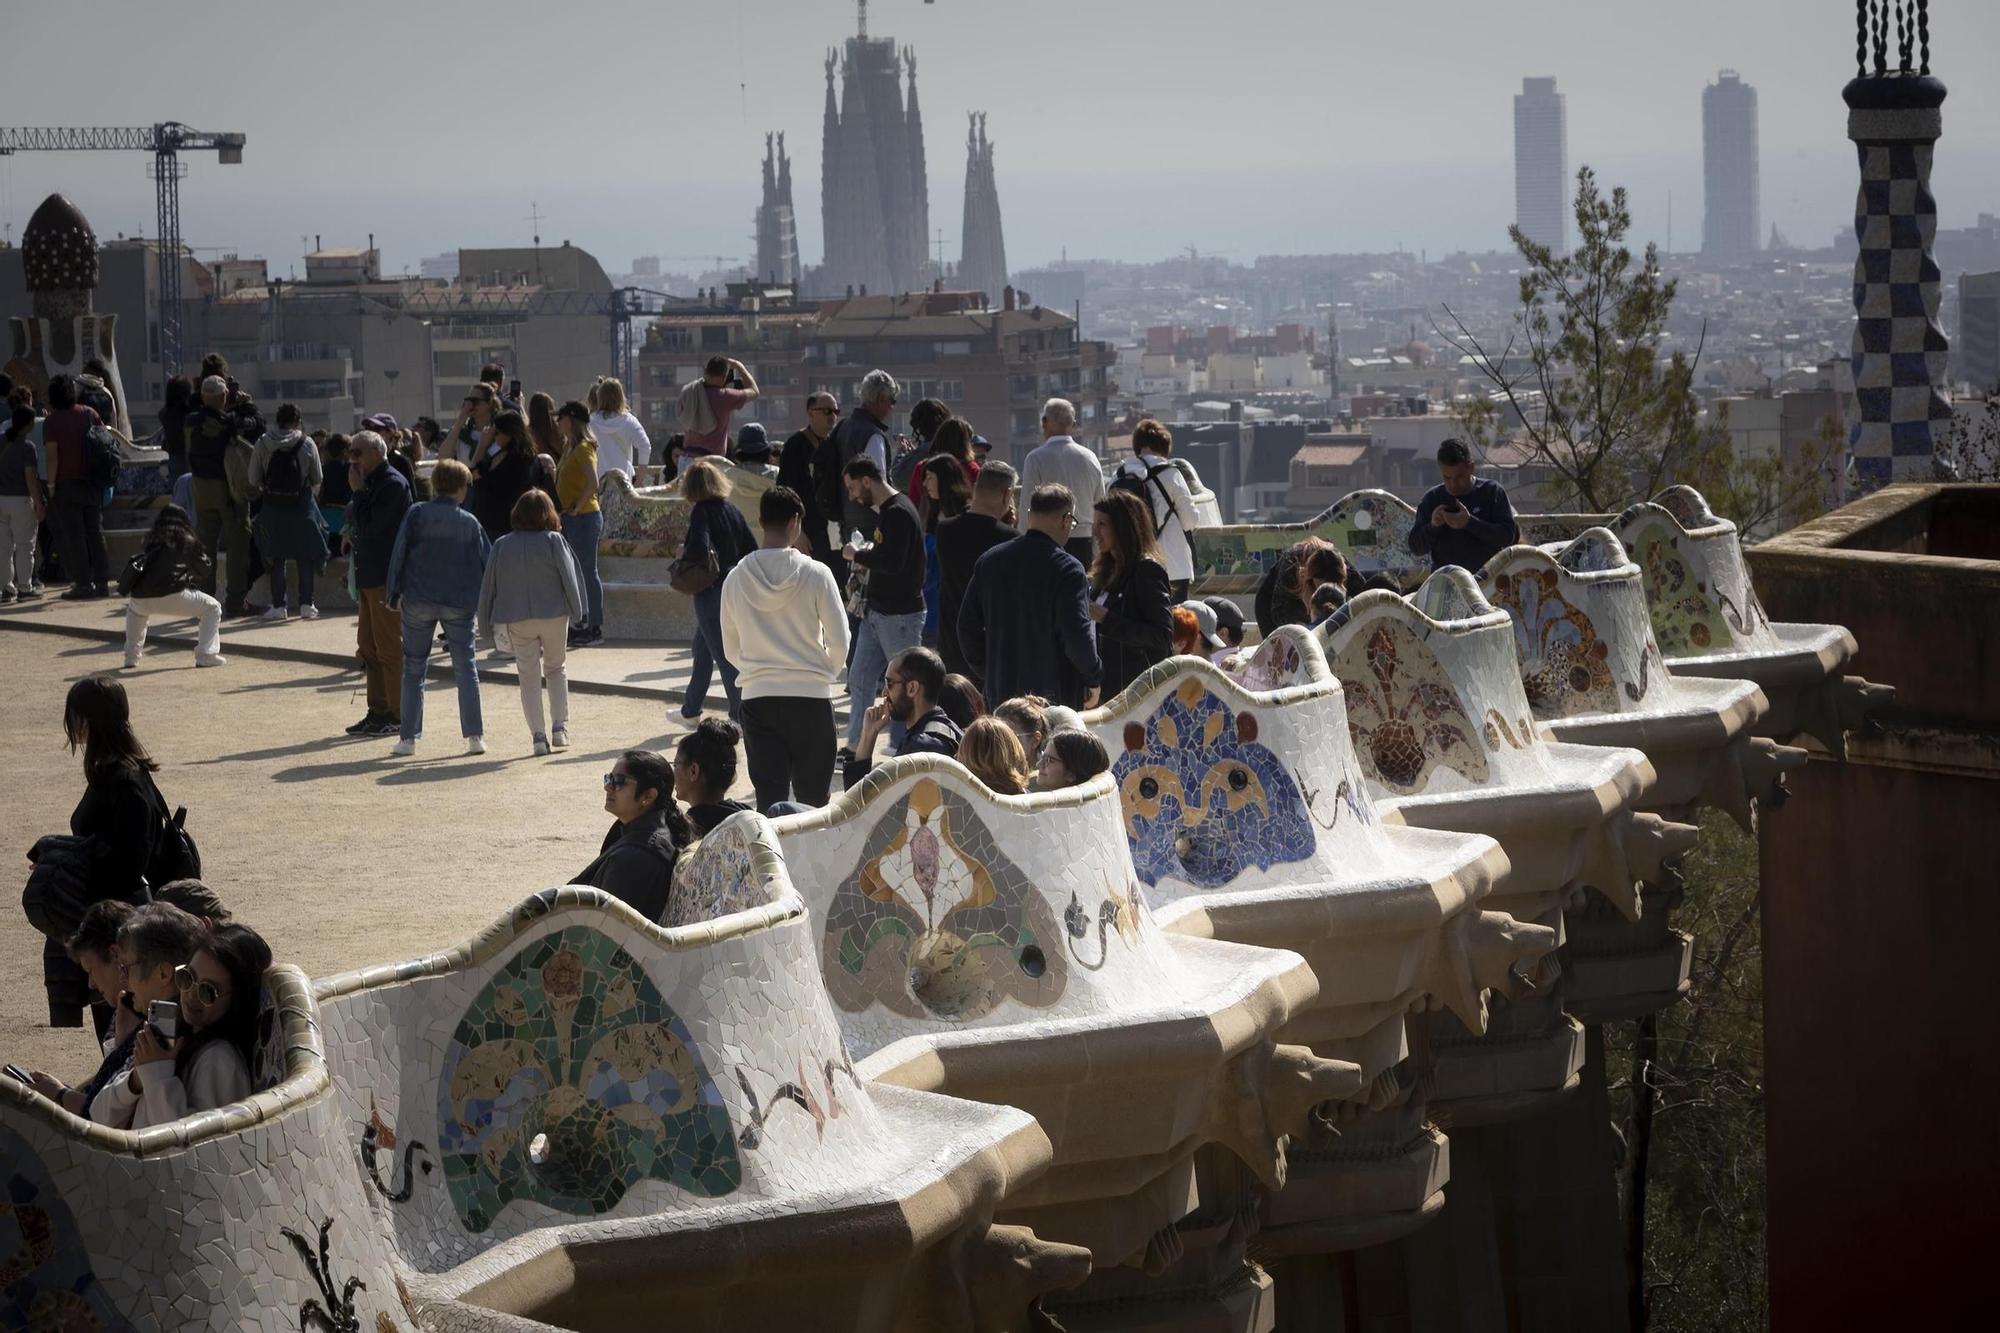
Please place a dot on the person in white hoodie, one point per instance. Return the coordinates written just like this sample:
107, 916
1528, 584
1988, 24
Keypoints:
785, 628
622, 443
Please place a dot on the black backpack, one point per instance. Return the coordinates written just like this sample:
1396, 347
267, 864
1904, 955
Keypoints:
175, 855
1142, 486
100, 456
284, 474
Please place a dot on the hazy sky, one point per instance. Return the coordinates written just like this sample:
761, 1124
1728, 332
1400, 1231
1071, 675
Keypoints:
1122, 128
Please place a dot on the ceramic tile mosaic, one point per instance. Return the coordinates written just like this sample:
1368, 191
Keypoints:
569, 1080
1372, 528
736, 867
652, 521
1697, 585
943, 908
46, 1279
1230, 783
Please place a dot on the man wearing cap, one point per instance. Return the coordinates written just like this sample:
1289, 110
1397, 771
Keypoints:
753, 450
385, 425
221, 514
1205, 625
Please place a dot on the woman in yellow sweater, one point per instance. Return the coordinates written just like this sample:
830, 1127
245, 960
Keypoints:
582, 524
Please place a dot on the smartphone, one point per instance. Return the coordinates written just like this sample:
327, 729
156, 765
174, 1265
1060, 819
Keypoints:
16, 1072
164, 1017
514, 389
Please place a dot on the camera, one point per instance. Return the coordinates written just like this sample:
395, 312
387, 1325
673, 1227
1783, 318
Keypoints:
164, 1017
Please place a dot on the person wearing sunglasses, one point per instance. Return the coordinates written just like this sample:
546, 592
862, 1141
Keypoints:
207, 1065
636, 863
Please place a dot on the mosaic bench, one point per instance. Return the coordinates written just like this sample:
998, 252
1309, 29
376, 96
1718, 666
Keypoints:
1708, 620
1000, 948
1247, 819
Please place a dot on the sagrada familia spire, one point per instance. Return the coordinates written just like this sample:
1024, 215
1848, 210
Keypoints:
982, 263
874, 194
777, 225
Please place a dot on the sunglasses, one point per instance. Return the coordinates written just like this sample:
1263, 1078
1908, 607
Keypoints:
614, 781
185, 981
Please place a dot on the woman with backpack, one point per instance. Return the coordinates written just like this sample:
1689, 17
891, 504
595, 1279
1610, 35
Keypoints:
165, 579
285, 468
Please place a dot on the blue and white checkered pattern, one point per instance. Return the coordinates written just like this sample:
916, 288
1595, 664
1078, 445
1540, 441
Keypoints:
1899, 349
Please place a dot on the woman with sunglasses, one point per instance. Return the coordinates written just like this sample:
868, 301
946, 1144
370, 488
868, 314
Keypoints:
207, 1065
636, 863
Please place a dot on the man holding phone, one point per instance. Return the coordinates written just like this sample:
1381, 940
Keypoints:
1463, 520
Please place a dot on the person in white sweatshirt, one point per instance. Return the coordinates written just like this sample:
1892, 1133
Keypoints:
785, 628
207, 1065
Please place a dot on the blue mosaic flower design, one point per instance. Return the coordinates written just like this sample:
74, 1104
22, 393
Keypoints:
1203, 800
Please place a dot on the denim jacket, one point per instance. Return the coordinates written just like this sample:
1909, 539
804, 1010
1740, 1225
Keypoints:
440, 557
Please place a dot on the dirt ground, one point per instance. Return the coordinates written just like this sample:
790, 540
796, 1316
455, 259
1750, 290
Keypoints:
339, 854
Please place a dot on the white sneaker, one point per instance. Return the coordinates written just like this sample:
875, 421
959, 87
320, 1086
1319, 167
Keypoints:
403, 749
541, 746
131, 663
560, 738
217, 660
475, 745
308, 612
275, 616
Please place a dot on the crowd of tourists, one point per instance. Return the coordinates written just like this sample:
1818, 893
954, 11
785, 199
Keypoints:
915, 574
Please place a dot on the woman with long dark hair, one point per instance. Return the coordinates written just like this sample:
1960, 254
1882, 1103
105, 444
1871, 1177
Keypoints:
121, 810
500, 478
208, 1064
1134, 603
636, 862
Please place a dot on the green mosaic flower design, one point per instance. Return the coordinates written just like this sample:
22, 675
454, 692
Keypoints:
569, 1080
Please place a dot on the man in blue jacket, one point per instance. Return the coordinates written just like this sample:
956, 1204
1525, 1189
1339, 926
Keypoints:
1025, 623
435, 573
1462, 520
374, 517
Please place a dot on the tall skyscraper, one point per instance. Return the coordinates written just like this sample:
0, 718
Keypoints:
982, 254
874, 195
1976, 358
1541, 164
777, 226
1729, 168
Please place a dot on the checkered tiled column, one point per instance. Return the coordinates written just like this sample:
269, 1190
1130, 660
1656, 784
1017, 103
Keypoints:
1899, 348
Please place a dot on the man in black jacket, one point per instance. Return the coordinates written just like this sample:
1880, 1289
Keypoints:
381, 497
910, 689
865, 434
893, 618
1463, 520
221, 516
797, 471
1025, 623
960, 543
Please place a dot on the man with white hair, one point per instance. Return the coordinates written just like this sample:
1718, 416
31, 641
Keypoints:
221, 515
865, 434
381, 497
1060, 461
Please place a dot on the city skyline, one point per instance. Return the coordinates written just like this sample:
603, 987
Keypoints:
1191, 133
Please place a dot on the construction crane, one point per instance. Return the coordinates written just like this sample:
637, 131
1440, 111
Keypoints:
166, 141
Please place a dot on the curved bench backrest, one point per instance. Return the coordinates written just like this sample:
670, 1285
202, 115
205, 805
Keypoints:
1697, 585
1225, 787
940, 905
1581, 629
576, 1061
1433, 690
738, 866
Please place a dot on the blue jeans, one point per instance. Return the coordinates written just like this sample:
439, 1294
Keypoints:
933, 589
581, 531
421, 620
708, 638
277, 568
881, 638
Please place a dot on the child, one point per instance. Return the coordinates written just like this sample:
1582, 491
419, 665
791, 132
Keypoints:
165, 579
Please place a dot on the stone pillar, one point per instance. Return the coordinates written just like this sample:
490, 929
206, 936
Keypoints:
1899, 349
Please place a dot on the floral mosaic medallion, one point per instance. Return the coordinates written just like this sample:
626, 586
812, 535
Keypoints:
1564, 665
936, 921
568, 1081
717, 878
1405, 718
1686, 621
1203, 800
46, 1281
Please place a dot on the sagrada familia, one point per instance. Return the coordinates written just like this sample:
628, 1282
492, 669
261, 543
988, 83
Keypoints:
874, 187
